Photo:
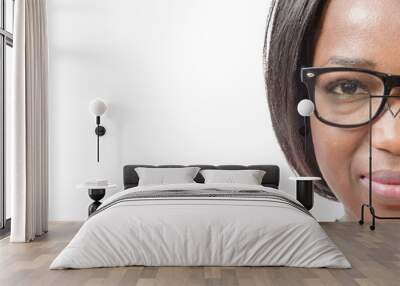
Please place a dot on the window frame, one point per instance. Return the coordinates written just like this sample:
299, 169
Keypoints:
6, 39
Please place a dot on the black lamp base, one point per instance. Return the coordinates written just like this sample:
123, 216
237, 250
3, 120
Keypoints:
100, 130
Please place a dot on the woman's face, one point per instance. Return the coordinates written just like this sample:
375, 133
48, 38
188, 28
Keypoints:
364, 34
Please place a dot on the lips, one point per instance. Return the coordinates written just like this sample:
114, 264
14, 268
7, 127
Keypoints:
385, 183
386, 177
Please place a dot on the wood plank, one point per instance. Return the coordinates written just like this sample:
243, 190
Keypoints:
375, 257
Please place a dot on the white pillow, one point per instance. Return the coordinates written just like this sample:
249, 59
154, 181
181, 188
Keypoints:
248, 177
164, 176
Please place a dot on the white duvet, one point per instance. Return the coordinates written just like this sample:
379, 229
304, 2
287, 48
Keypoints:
200, 231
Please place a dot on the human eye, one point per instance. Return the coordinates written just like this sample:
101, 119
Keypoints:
347, 88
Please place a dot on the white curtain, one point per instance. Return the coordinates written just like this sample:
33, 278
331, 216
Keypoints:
28, 160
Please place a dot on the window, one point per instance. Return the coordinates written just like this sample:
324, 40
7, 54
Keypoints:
6, 44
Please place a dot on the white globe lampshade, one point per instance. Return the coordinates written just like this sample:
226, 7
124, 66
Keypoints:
305, 107
97, 107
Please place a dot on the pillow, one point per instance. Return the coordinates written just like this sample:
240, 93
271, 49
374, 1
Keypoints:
164, 176
248, 177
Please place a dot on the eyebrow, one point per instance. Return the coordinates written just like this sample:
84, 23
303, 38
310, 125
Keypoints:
351, 62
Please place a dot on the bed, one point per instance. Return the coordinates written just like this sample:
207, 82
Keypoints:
201, 224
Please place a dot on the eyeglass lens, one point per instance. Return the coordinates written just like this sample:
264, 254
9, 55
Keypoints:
342, 97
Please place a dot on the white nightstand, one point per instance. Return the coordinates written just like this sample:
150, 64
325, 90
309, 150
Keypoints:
304, 190
96, 193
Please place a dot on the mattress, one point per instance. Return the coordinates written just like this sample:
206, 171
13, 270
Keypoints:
201, 225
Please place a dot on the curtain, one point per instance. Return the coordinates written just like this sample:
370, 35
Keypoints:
28, 161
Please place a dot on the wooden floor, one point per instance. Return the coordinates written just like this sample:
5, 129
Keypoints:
375, 257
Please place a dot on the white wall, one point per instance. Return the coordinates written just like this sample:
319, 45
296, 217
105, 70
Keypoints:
183, 81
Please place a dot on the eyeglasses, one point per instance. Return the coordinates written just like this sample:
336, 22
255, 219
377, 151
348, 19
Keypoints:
348, 97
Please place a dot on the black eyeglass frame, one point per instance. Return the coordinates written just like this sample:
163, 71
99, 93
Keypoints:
309, 74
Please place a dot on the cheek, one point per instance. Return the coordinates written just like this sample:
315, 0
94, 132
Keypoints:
336, 150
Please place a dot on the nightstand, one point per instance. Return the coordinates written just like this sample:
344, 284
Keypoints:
96, 193
304, 190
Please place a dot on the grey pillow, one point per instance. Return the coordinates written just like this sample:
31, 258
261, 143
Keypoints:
165, 176
248, 177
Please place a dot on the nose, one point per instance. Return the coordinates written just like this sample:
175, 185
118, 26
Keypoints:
386, 129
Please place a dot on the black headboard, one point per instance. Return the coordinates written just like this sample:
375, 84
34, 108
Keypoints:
270, 179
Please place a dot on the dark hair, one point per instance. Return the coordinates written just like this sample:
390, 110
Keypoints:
292, 25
